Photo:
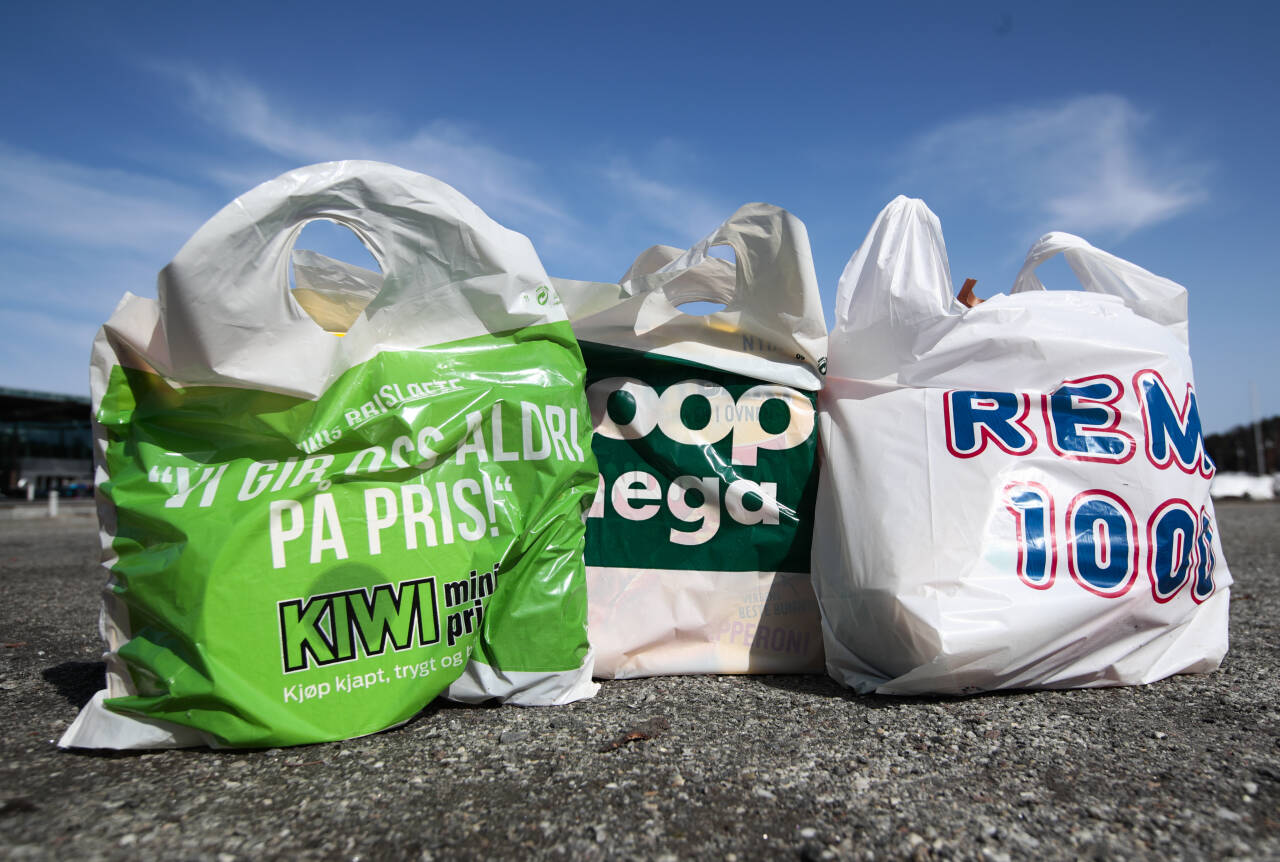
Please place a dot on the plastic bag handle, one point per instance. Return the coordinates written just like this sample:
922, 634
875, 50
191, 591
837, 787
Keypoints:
900, 274
224, 299
1152, 296
713, 279
895, 286
774, 274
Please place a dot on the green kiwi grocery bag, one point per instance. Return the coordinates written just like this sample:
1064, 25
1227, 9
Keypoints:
309, 536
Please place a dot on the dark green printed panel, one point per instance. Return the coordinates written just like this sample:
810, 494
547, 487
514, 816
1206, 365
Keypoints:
701, 469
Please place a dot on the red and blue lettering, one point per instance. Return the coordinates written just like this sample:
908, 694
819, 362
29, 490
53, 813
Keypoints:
975, 418
1102, 551
1084, 423
1173, 434
1206, 560
1172, 537
1032, 508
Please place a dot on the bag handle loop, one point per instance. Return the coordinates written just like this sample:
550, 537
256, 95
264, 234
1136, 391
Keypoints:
773, 278
224, 299
1154, 297
710, 279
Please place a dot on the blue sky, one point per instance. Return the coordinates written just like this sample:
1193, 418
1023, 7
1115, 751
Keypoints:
599, 129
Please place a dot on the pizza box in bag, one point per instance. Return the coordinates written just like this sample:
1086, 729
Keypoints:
1016, 494
310, 537
698, 539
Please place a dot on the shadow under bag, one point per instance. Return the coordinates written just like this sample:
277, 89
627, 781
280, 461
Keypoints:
1014, 495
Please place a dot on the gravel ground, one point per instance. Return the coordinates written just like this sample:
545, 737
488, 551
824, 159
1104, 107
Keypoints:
677, 767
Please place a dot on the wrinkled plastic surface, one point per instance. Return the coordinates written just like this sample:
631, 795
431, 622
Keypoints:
698, 538
1014, 495
332, 291
307, 556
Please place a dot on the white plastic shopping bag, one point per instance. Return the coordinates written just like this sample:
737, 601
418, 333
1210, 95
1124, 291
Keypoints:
698, 539
1014, 495
310, 537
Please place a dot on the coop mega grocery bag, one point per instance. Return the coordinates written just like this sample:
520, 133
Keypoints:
698, 538
1014, 495
310, 536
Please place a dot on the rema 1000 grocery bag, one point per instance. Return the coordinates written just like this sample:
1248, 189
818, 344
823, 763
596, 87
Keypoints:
698, 539
310, 537
1014, 495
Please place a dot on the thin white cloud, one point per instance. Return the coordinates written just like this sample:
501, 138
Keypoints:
685, 212
504, 184
46, 352
75, 236
1090, 164
57, 201
588, 226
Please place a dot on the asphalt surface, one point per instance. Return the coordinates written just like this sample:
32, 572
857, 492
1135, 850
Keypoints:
676, 767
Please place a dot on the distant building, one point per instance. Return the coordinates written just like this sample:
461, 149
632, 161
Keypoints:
46, 444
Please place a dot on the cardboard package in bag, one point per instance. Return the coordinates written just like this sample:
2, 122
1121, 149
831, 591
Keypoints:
1013, 495
310, 537
698, 537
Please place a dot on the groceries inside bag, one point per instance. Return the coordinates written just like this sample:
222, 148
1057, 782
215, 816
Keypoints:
1013, 495
698, 538
311, 537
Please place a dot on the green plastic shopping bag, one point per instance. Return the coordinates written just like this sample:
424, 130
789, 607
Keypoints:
310, 537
